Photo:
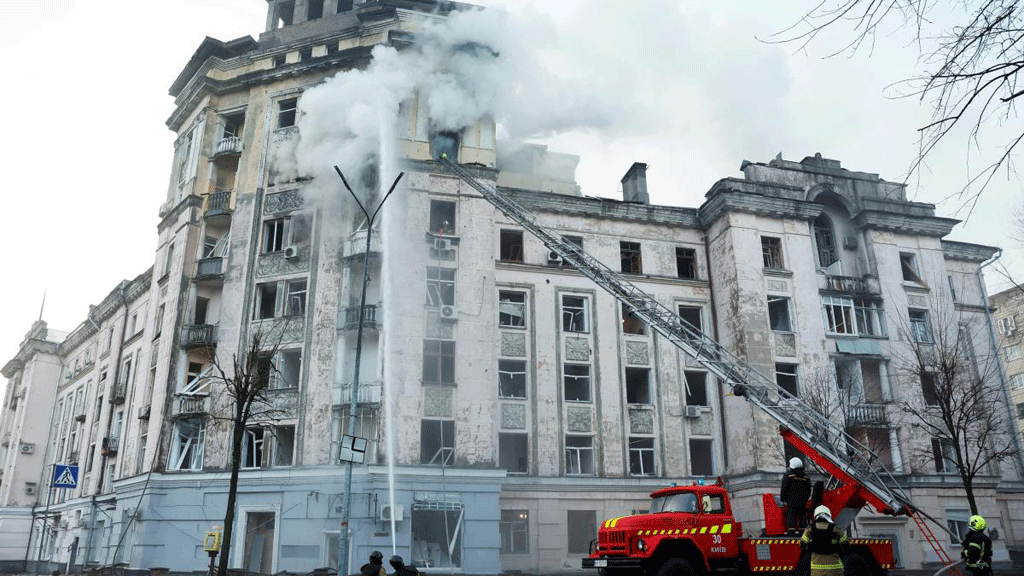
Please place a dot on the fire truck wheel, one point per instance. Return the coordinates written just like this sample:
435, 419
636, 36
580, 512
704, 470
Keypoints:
675, 567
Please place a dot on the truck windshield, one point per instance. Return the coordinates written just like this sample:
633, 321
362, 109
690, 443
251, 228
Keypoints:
685, 502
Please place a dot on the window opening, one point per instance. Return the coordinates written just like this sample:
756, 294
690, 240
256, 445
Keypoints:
574, 314
189, 437
638, 386
952, 288
686, 263
920, 331
908, 264
579, 455
252, 447
576, 380
825, 240
296, 297
631, 323
930, 389
511, 378
439, 362
692, 316
201, 309
630, 257
285, 12
232, 125
701, 463
344, 6
291, 364
437, 527
870, 317
771, 251
445, 144
284, 446
514, 529
442, 217
957, 521
511, 248
169, 260
942, 450
696, 388
778, 314
511, 309
437, 442
786, 378
641, 456
838, 315
287, 112
259, 546
513, 452
440, 287
264, 370
273, 235
315, 9
266, 300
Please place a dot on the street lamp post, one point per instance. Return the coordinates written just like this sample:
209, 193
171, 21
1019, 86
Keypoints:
343, 537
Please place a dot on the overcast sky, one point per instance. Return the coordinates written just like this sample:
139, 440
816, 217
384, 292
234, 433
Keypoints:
690, 89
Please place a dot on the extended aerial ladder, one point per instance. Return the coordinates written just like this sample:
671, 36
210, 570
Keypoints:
826, 442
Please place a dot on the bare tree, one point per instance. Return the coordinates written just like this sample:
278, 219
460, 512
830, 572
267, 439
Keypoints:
968, 72
245, 386
961, 407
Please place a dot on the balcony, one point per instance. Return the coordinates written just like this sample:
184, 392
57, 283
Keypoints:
368, 393
198, 336
217, 206
210, 269
369, 317
117, 393
849, 284
355, 245
868, 415
80, 411
230, 146
191, 405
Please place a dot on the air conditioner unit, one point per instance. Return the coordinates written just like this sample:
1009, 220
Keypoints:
386, 513
850, 242
291, 252
691, 411
554, 257
442, 244
27, 448
449, 313
30, 488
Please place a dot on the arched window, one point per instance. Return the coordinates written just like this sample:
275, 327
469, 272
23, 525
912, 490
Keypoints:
825, 239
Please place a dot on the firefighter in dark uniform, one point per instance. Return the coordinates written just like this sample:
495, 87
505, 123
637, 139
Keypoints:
400, 568
825, 542
796, 490
375, 567
977, 552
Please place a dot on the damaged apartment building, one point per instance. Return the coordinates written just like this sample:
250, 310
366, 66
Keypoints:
520, 404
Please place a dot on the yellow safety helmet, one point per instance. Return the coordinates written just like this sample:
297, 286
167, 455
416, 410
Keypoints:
977, 523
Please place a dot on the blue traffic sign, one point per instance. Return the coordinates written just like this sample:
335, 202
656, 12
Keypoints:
65, 476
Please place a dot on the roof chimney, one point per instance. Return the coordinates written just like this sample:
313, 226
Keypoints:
634, 184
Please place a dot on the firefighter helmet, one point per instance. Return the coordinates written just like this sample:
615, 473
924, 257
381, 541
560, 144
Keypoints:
977, 523
795, 463
376, 557
823, 513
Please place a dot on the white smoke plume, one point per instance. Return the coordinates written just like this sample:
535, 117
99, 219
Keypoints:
474, 64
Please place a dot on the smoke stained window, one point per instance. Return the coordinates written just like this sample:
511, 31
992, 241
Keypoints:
287, 111
442, 217
445, 144
511, 246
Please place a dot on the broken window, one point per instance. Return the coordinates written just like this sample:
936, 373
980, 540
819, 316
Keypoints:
314, 9
266, 300
511, 309
771, 252
344, 6
442, 217
579, 456
296, 298
576, 241
825, 241
785, 377
252, 447
838, 315
945, 459
187, 447
273, 235
209, 244
701, 463
920, 329
908, 263
641, 456
264, 371
513, 452
232, 124
686, 263
691, 314
696, 388
576, 379
870, 317
514, 529
778, 314
439, 362
445, 144
511, 248
437, 526
285, 12
574, 314
629, 256
284, 446
511, 378
201, 309
584, 526
638, 386
631, 323
290, 362
287, 112
929, 390
440, 287
437, 442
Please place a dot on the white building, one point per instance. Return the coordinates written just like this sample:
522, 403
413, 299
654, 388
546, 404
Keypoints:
521, 404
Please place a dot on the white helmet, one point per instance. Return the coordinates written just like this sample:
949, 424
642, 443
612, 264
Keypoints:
795, 463
823, 513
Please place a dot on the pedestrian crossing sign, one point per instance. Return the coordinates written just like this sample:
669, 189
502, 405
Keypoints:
65, 476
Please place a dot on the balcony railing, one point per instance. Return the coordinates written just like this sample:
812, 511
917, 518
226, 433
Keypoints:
191, 404
369, 316
229, 145
199, 336
209, 268
368, 393
850, 285
868, 415
80, 410
117, 393
218, 204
